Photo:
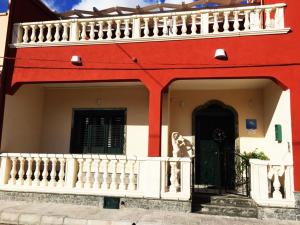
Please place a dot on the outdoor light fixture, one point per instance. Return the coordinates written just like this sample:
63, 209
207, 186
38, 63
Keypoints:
221, 54
76, 60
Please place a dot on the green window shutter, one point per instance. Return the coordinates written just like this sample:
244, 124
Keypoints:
98, 132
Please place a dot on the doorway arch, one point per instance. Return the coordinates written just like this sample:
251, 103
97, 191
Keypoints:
215, 128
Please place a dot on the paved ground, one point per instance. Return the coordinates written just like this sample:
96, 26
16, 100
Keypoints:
59, 214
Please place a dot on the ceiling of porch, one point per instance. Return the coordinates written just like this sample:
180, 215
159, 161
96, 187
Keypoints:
219, 84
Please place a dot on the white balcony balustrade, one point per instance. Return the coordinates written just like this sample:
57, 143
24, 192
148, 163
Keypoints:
107, 175
205, 23
272, 184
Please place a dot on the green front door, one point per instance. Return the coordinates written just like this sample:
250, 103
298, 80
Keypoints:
215, 135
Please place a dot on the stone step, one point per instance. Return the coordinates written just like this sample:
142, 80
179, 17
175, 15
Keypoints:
209, 209
232, 201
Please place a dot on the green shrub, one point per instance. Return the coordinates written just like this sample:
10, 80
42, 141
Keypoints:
255, 155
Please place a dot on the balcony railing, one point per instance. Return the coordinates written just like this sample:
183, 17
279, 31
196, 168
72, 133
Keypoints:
205, 23
272, 184
106, 175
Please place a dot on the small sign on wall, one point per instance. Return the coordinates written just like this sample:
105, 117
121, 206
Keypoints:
251, 125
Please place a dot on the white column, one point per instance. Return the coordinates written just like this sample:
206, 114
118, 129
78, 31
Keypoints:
57, 30
146, 29
226, 21
5, 169
174, 26
36, 181
74, 31
96, 184
118, 29
126, 32
216, 23
65, 35
136, 28
33, 33
79, 183
100, 33
236, 24
148, 171
45, 172
279, 18
92, 31
13, 172
49, 32
25, 35
165, 26
41, 33
61, 174
185, 178
155, 28
53, 172
21, 171
109, 31
194, 27
204, 23
183, 27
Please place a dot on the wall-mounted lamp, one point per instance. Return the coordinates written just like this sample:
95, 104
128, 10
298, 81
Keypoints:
76, 60
221, 54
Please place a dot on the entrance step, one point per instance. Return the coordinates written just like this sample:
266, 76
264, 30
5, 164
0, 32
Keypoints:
225, 205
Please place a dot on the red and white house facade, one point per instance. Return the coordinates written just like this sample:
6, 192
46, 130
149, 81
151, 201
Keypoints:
155, 73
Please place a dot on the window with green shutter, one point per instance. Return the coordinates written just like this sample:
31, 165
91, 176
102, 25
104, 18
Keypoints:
98, 132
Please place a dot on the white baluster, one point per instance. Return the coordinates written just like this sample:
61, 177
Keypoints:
65, 35
100, 33
13, 172
183, 27
49, 32
118, 29
25, 35
92, 31
126, 32
45, 172
122, 186
276, 171
257, 19
36, 181
279, 18
79, 183
165, 26
61, 174
33, 33
105, 184
131, 185
155, 28
96, 184
53, 172
57, 30
83, 31
216, 23
21, 171
236, 24
247, 20
268, 18
88, 176
146, 29
194, 27
226, 21
114, 184
174, 177
28, 180
174, 25
109, 29
41, 33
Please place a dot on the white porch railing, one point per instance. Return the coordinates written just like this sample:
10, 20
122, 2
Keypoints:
205, 23
272, 184
107, 175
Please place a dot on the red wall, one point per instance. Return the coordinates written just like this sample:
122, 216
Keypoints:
273, 56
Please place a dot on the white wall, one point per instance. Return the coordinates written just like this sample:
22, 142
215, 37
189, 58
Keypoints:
277, 110
23, 117
3, 30
60, 102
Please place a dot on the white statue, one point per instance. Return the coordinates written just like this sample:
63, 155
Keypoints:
181, 146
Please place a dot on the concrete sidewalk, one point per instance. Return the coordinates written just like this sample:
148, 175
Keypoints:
12, 212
